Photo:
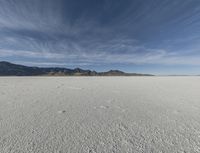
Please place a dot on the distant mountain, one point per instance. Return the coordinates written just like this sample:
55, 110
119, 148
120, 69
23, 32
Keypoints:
120, 73
10, 69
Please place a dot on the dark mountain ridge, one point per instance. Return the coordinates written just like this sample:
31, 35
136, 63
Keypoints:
10, 69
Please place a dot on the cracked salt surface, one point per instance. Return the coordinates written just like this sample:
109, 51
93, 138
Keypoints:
99, 114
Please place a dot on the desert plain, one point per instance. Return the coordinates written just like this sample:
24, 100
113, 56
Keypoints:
99, 114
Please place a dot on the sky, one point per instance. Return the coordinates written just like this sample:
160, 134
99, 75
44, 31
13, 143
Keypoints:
145, 36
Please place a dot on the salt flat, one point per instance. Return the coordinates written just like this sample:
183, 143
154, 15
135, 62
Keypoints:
99, 114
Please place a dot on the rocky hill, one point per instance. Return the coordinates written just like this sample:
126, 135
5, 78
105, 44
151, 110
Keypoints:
10, 69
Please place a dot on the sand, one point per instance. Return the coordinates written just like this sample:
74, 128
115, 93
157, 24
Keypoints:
99, 114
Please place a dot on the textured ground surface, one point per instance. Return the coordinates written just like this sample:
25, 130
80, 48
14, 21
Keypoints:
100, 114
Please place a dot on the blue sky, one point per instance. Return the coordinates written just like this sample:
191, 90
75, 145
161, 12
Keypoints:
148, 36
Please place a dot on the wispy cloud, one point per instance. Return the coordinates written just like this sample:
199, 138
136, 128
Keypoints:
93, 32
30, 54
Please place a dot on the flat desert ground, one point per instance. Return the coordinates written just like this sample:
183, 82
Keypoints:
99, 114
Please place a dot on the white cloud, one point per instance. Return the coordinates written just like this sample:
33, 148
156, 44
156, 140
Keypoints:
37, 32
30, 54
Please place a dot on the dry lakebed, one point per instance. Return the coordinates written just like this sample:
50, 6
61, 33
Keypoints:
99, 114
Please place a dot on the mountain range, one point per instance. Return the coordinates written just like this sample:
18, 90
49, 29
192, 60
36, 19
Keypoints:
10, 69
